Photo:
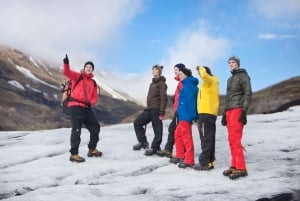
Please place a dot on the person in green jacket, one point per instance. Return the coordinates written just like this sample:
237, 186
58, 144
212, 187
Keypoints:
207, 108
237, 101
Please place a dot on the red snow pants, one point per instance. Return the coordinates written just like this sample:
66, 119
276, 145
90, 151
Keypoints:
184, 142
235, 132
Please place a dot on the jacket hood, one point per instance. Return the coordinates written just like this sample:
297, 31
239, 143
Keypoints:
160, 78
191, 80
240, 70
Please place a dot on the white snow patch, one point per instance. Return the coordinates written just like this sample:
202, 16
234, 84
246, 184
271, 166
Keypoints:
35, 165
16, 84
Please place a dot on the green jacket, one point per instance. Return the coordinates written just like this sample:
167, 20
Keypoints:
239, 93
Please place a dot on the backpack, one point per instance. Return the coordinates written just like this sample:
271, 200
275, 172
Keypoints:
67, 90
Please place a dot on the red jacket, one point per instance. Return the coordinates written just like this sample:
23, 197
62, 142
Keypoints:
84, 91
177, 91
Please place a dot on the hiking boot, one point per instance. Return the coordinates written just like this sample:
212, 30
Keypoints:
150, 152
212, 164
94, 153
76, 158
184, 165
228, 171
139, 145
176, 160
238, 173
164, 153
202, 167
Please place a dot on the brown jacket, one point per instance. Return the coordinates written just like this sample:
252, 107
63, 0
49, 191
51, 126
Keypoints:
157, 94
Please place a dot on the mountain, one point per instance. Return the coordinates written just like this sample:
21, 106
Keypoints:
35, 166
275, 98
31, 92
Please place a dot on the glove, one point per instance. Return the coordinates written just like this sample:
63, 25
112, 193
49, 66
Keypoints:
161, 117
88, 104
224, 121
243, 117
66, 60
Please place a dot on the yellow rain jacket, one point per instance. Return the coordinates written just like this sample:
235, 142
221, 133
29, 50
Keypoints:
208, 93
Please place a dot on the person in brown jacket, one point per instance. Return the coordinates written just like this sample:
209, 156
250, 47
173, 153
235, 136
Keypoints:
155, 111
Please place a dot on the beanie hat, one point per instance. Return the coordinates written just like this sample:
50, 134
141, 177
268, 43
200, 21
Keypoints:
236, 59
186, 71
159, 67
89, 63
179, 66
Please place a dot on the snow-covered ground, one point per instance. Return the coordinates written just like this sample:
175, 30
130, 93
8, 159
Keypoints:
35, 166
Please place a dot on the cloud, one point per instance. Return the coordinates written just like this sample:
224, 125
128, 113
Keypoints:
195, 46
272, 36
278, 8
49, 29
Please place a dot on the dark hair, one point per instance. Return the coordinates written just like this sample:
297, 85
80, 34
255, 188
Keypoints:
89, 63
208, 70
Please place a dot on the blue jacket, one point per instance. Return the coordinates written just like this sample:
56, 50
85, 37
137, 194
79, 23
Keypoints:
187, 106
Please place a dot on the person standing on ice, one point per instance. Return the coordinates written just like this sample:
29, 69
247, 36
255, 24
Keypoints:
83, 96
237, 101
171, 139
187, 113
155, 112
207, 107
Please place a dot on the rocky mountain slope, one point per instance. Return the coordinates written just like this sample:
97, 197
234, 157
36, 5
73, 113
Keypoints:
31, 91
275, 98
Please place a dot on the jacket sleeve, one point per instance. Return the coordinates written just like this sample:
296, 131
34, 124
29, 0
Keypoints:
247, 95
164, 98
95, 96
72, 75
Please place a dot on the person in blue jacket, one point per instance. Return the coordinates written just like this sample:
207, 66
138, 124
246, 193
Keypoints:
187, 113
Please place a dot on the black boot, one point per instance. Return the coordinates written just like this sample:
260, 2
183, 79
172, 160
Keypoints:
202, 167
150, 152
176, 160
229, 171
184, 165
238, 173
139, 145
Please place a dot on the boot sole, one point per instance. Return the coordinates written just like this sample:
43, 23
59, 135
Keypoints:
93, 155
236, 177
76, 161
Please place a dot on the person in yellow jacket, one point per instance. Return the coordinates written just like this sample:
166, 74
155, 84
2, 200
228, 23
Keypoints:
207, 108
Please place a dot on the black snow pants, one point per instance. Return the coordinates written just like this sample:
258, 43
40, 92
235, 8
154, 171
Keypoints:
83, 116
172, 127
149, 115
207, 132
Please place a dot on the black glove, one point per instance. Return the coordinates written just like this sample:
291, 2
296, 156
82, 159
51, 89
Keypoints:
88, 104
224, 121
243, 117
66, 60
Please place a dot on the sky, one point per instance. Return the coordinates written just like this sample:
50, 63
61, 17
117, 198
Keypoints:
125, 38
35, 166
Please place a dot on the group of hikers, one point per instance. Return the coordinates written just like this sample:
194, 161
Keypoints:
192, 102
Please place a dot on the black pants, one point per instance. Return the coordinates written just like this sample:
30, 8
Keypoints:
143, 119
207, 132
80, 116
171, 129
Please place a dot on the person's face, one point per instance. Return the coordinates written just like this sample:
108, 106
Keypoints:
155, 72
233, 65
181, 75
88, 69
176, 71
